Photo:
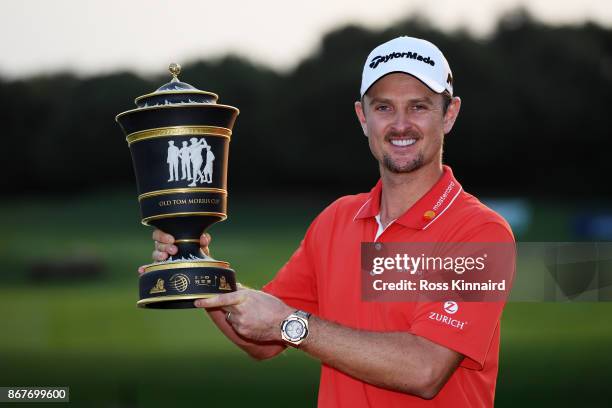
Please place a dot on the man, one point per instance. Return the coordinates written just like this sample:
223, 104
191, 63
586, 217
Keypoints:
208, 168
172, 160
195, 154
381, 354
184, 153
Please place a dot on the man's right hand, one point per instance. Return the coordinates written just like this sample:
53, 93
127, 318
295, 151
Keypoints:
164, 246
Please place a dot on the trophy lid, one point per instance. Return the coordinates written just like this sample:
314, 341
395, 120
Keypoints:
175, 92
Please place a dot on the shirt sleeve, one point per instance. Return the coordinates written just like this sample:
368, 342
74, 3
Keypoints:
465, 327
295, 283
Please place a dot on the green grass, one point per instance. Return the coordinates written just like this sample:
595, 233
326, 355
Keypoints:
256, 239
90, 335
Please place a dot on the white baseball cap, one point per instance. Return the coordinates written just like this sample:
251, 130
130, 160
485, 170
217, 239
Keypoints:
414, 56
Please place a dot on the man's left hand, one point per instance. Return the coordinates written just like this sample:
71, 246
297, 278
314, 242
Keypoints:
253, 314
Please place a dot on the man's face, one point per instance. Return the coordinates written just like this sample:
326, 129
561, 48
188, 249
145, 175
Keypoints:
405, 123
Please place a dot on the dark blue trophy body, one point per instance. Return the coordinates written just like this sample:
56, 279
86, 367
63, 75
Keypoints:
179, 141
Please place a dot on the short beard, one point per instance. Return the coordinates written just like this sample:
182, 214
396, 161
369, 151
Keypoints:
415, 164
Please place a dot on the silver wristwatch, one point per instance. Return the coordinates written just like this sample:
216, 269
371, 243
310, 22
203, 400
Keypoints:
294, 328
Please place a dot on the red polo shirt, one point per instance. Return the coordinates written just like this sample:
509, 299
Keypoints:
323, 277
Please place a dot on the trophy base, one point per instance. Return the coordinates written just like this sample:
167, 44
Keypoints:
177, 284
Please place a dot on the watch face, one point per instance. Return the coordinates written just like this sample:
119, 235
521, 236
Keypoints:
294, 329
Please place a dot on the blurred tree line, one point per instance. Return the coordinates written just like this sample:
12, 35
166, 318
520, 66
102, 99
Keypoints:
533, 121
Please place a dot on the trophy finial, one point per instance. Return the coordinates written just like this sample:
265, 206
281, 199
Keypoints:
175, 70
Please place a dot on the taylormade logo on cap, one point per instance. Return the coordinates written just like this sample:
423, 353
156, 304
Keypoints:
378, 59
410, 55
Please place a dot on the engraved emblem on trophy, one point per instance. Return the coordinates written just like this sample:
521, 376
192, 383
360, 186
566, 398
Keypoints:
193, 161
179, 138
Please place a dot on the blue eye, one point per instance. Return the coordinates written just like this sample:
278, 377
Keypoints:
383, 108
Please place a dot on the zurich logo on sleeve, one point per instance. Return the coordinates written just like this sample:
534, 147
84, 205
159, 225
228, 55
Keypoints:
451, 307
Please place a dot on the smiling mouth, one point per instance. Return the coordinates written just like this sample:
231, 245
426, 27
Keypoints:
402, 142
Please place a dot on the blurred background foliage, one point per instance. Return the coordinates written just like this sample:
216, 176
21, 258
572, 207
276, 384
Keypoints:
533, 120
532, 140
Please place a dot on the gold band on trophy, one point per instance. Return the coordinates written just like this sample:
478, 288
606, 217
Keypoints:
172, 131
182, 265
145, 221
187, 190
157, 299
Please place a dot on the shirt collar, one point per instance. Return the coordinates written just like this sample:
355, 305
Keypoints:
426, 210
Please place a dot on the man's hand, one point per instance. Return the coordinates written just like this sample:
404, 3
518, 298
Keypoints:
253, 314
164, 246
260, 350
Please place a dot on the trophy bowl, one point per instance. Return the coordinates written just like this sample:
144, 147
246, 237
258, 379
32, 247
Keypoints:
179, 138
